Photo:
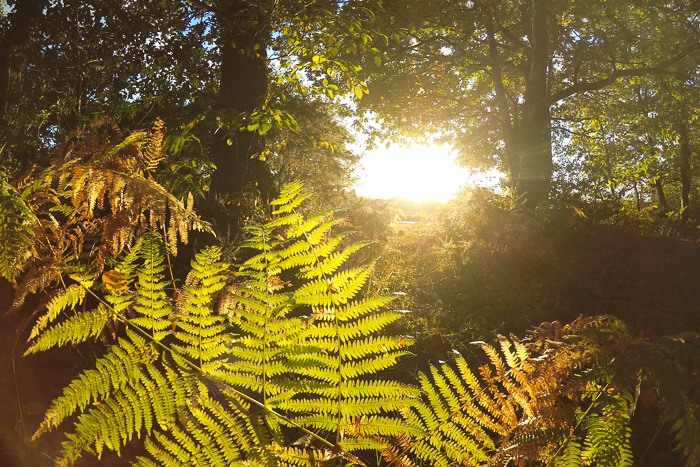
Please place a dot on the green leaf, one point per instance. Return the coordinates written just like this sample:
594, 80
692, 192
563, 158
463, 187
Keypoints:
264, 128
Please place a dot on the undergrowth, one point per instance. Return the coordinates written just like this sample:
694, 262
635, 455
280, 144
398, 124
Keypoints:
282, 359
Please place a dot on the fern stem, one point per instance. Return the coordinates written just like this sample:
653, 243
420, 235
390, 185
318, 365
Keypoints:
167, 258
592, 404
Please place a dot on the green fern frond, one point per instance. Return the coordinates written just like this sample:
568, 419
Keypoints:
310, 223
217, 387
119, 367
291, 197
607, 441
355, 309
259, 353
331, 262
15, 234
321, 352
182, 448
146, 402
316, 234
74, 330
65, 299
334, 290
233, 422
202, 334
686, 429
368, 325
292, 219
164, 458
151, 300
358, 349
571, 455
170, 454
454, 419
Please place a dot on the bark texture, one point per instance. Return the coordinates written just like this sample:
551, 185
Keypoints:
534, 142
243, 37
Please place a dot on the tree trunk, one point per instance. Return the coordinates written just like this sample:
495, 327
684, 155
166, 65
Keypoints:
685, 152
243, 37
503, 108
659, 185
535, 140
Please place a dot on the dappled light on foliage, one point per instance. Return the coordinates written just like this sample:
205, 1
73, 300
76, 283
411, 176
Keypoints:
91, 203
188, 273
288, 343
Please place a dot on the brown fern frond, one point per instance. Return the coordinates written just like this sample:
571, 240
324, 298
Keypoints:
511, 358
494, 358
130, 198
95, 200
36, 278
395, 455
152, 153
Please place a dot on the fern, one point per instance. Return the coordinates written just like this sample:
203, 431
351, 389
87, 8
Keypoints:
158, 379
68, 298
451, 423
515, 409
152, 303
74, 330
607, 441
89, 324
119, 367
203, 334
97, 196
570, 454
15, 233
238, 361
136, 387
334, 348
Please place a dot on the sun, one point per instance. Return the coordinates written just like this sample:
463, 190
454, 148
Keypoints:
416, 172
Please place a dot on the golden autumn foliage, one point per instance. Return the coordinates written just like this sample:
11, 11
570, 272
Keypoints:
96, 198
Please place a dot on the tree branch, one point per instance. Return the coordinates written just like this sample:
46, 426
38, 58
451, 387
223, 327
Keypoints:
659, 69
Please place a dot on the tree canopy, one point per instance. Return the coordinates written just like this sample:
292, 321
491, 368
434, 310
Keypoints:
219, 72
507, 83
504, 80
